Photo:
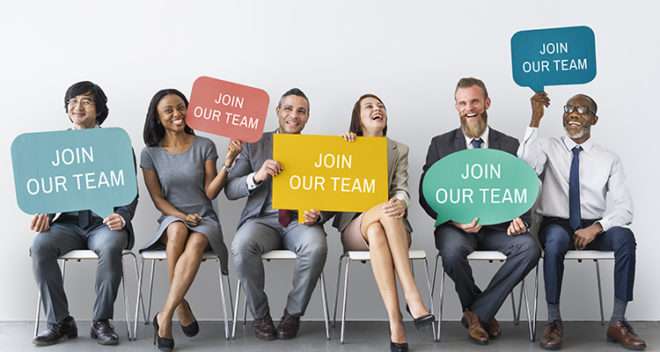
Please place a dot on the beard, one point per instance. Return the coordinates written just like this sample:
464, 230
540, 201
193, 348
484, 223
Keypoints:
579, 134
474, 130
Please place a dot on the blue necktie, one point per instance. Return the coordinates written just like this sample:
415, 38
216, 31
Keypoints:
574, 190
476, 143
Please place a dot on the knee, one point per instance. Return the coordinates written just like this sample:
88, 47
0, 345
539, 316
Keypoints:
623, 240
244, 246
376, 234
528, 246
197, 243
556, 240
177, 234
42, 247
316, 250
112, 249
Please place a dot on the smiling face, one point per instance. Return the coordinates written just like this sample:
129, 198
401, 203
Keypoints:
172, 113
292, 113
81, 109
579, 116
373, 117
471, 104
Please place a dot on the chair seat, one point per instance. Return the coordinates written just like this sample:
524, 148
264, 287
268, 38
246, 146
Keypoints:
364, 255
486, 255
162, 255
589, 255
279, 254
85, 254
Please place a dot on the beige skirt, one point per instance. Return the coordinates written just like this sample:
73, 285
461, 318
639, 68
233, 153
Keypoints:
351, 237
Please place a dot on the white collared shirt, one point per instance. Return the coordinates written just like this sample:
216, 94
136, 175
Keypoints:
484, 138
602, 180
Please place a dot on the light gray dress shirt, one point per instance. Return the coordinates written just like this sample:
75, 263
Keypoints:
603, 193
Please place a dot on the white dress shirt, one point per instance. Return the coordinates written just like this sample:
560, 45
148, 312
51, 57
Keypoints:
602, 179
484, 138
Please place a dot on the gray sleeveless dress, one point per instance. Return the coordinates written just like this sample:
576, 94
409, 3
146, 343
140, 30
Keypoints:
181, 179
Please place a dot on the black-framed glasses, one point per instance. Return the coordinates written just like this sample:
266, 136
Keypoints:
580, 109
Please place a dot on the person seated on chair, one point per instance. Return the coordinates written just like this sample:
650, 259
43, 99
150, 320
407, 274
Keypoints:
262, 228
86, 106
580, 179
384, 229
180, 173
456, 241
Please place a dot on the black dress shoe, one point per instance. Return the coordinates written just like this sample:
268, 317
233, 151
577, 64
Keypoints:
423, 321
264, 329
66, 329
288, 327
164, 344
103, 332
192, 329
398, 347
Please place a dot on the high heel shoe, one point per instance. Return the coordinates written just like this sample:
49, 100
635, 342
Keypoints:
423, 321
164, 344
398, 347
191, 329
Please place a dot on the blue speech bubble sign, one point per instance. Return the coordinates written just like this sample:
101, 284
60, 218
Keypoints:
554, 56
74, 170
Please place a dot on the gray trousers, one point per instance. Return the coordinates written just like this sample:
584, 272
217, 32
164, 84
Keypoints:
258, 236
454, 245
64, 237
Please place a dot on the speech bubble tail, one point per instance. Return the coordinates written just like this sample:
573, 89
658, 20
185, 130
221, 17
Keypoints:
440, 220
538, 89
103, 212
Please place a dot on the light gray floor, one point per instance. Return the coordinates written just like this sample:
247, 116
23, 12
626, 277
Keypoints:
360, 336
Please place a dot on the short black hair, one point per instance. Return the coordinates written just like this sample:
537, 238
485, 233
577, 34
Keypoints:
153, 131
93, 90
293, 91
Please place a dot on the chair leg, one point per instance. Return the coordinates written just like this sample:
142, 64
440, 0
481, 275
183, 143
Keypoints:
600, 294
223, 301
139, 298
324, 300
126, 309
245, 310
343, 310
513, 306
231, 300
151, 290
38, 315
428, 287
523, 293
536, 301
442, 296
137, 276
238, 298
334, 315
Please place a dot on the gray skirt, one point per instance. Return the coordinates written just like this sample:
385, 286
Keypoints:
209, 226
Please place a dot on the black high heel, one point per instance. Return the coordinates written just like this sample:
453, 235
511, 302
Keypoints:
398, 347
192, 329
164, 344
423, 321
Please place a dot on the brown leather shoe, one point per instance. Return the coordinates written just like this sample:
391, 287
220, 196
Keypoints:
264, 329
622, 333
493, 329
552, 335
288, 327
476, 332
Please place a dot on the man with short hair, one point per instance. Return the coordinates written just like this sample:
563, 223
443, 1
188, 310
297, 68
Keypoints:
585, 205
456, 241
262, 228
85, 104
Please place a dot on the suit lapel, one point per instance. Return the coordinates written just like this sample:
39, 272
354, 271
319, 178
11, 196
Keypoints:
459, 140
494, 139
392, 154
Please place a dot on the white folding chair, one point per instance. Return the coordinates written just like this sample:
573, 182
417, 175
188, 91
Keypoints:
79, 255
363, 256
160, 255
280, 255
492, 256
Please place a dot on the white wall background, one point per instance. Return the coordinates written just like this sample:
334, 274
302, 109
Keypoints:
410, 54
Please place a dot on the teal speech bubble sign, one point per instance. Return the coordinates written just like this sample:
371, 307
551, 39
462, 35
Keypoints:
74, 170
553, 56
488, 184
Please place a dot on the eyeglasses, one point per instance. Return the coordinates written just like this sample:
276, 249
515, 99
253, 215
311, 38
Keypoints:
85, 102
580, 109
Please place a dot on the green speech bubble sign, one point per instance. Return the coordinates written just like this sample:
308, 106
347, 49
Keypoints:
488, 184
74, 170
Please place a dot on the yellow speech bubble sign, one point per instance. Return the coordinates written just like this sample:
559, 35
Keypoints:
330, 174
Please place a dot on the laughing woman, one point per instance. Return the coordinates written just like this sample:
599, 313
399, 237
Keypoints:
180, 173
384, 230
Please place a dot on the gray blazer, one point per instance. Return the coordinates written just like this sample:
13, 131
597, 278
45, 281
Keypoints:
397, 177
250, 159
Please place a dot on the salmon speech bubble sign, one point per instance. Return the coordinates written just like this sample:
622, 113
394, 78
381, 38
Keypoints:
227, 109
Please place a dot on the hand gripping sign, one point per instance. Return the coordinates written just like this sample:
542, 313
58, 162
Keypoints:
491, 185
74, 170
227, 109
555, 56
328, 173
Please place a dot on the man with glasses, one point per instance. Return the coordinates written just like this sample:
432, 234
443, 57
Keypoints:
85, 105
580, 179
